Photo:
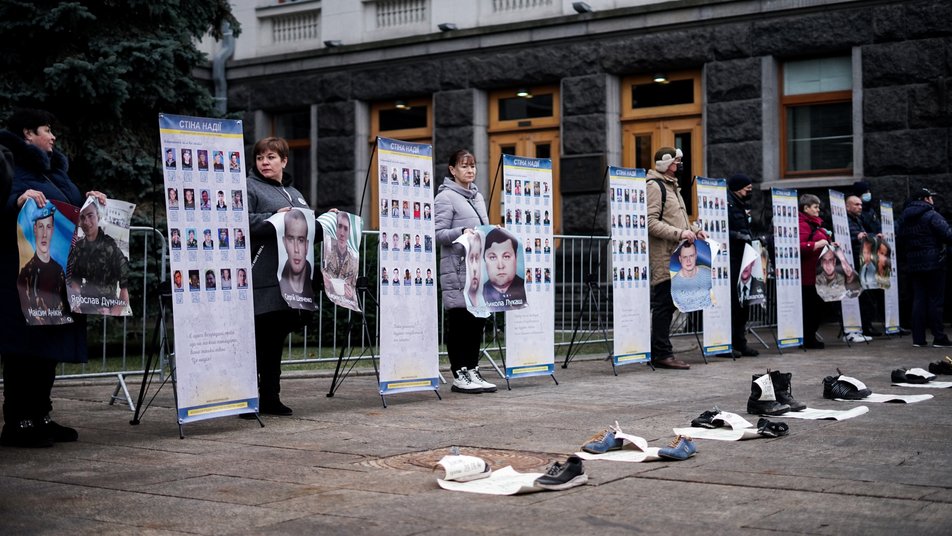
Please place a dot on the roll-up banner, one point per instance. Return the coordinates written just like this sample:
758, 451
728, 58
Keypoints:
787, 276
712, 217
841, 234
886, 267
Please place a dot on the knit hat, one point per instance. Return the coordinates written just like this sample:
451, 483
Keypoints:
738, 181
664, 157
861, 187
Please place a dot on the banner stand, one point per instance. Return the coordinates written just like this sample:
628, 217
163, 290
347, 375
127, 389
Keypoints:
160, 351
495, 341
593, 294
696, 319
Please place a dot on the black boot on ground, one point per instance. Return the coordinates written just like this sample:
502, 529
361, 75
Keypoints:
762, 400
781, 383
24, 434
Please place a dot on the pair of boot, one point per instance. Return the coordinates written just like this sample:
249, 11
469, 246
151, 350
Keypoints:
772, 394
36, 433
471, 382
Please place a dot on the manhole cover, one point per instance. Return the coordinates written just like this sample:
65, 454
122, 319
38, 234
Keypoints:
524, 462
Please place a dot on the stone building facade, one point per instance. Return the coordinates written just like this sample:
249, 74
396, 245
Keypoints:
899, 94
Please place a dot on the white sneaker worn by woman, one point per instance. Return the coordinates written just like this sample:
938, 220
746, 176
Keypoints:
857, 337
463, 383
477, 378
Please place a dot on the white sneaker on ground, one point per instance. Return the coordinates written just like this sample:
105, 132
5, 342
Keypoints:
477, 378
463, 383
856, 336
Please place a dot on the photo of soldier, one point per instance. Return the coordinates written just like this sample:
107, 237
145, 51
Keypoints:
98, 270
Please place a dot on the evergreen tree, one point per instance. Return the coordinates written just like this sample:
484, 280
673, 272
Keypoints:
106, 69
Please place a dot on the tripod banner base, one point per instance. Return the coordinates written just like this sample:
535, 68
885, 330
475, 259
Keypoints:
521, 372
213, 411
790, 343
425, 384
628, 359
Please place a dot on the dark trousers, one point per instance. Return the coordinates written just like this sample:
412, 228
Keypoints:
271, 331
928, 297
662, 311
867, 309
739, 315
463, 335
27, 384
814, 311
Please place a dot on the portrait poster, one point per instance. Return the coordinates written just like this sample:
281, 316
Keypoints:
849, 301
887, 271
340, 260
692, 278
712, 218
836, 279
527, 204
750, 281
43, 240
409, 336
294, 231
787, 276
495, 263
631, 285
97, 272
213, 312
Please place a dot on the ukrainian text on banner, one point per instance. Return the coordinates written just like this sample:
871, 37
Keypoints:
43, 240
409, 343
530, 335
97, 273
211, 271
841, 234
712, 218
631, 288
892, 291
786, 232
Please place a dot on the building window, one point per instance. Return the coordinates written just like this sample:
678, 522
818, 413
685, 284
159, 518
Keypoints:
817, 117
524, 108
395, 13
519, 5
405, 120
295, 127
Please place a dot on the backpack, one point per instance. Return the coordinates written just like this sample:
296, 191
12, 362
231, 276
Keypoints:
664, 195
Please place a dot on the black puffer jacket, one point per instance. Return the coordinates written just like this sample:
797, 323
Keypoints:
739, 229
922, 238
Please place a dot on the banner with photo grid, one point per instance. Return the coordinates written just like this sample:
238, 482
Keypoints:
409, 339
891, 320
631, 285
212, 305
527, 201
787, 276
841, 235
712, 218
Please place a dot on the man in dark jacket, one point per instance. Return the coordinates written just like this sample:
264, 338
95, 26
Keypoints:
923, 237
739, 188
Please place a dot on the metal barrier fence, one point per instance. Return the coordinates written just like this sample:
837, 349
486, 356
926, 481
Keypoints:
123, 341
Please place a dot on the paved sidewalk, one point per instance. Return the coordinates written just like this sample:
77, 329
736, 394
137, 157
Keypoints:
346, 465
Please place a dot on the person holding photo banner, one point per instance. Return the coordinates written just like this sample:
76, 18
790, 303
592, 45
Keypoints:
859, 235
668, 225
270, 192
739, 187
459, 208
813, 238
30, 353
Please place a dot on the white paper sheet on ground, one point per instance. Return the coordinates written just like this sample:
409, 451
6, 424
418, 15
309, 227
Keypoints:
721, 434
462, 468
819, 414
930, 385
735, 421
506, 481
634, 450
877, 397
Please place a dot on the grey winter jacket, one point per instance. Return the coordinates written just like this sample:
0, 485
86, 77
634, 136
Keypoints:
455, 209
265, 198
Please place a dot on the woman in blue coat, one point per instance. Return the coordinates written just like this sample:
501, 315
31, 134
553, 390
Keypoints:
30, 353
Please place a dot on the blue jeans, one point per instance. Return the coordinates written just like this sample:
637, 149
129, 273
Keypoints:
928, 298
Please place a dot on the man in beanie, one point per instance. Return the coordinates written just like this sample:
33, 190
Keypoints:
863, 190
739, 187
668, 224
924, 237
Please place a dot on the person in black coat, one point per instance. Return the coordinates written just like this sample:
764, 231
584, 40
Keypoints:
923, 238
739, 187
30, 353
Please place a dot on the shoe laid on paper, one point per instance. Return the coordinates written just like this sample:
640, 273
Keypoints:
941, 367
833, 387
603, 442
706, 419
561, 476
681, 448
944, 342
856, 337
477, 378
772, 429
464, 383
783, 389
